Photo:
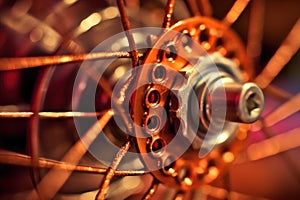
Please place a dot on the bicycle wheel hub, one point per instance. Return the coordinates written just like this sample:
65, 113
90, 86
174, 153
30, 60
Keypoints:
192, 95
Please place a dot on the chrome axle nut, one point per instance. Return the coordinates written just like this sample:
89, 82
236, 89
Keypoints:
244, 102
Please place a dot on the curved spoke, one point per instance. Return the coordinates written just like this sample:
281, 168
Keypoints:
126, 27
282, 56
111, 170
32, 62
55, 178
235, 11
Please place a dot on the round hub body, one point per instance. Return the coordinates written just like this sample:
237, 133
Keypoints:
192, 95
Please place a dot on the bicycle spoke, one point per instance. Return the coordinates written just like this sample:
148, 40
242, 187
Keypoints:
111, 170
221, 193
255, 31
126, 27
241, 196
12, 158
102, 81
285, 110
205, 7
235, 11
55, 178
199, 7
274, 145
285, 52
168, 14
279, 144
192, 7
151, 190
278, 93
46, 115
32, 62
276, 115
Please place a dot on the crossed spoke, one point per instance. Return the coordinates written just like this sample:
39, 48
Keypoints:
55, 178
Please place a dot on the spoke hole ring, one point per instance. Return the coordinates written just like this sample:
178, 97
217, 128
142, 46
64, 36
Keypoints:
152, 124
159, 73
157, 146
152, 98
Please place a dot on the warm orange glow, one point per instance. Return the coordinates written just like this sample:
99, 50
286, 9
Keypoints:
228, 157
110, 13
213, 172
187, 181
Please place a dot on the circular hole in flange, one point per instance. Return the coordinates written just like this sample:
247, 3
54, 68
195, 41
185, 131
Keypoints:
204, 35
174, 102
159, 72
153, 97
157, 146
170, 53
153, 123
186, 40
219, 42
